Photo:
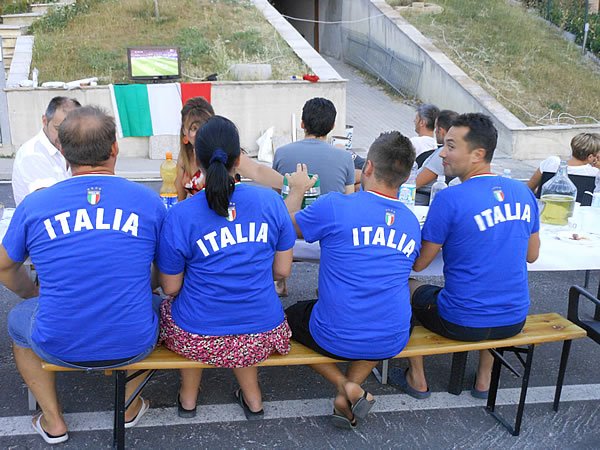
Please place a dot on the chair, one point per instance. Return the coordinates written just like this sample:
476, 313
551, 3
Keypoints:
591, 324
582, 183
423, 156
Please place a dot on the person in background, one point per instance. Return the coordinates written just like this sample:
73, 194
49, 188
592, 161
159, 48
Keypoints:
219, 254
584, 160
369, 242
195, 112
424, 127
488, 228
38, 162
92, 238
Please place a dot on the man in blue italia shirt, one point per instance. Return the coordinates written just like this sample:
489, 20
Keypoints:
369, 241
488, 229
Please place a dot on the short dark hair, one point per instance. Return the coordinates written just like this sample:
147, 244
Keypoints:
217, 148
318, 115
393, 156
86, 136
59, 103
445, 118
428, 113
482, 132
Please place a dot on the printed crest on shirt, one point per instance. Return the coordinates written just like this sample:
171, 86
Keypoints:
390, 217
231, 212
498, 194
93, 195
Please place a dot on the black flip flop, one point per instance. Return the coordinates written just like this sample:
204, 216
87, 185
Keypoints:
250, 415
341, 421
362, 406
184, 413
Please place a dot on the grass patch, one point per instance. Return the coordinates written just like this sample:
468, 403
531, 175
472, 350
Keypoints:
91, 38
521, 60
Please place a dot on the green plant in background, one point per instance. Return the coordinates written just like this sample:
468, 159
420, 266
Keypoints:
59, 18
248, 42
193, 46
14, 6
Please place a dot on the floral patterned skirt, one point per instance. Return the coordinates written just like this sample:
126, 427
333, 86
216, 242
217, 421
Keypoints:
230, 351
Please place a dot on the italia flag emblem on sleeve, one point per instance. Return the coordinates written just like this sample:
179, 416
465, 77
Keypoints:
231, 214
498, 194
93, 195
390, 216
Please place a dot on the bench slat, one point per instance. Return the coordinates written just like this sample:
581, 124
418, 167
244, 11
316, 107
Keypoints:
539, 328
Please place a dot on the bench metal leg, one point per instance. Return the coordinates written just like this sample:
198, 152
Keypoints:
457, 373
31, 400
383, 376
119, 419
499, 361
564, 357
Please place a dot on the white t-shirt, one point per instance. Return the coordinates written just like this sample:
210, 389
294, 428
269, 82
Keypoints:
434, 162
551, 165
423, 143
38, 164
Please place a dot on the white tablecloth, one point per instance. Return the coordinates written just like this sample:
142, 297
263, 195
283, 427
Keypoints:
557, 252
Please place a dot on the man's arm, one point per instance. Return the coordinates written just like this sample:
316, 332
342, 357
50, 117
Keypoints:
349, 189
15, 277
299, 182
429, 251
260, 173
282, 264
425, 176
171, 284
533, 247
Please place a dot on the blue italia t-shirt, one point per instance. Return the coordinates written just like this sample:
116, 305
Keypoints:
369, 243
484, 225
92, 239
227, 261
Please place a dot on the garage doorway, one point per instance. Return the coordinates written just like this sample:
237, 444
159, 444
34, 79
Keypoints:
301, 9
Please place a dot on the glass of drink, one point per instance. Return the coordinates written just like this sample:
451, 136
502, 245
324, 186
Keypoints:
556, 208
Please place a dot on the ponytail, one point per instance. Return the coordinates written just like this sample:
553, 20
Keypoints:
219, 184
217, 149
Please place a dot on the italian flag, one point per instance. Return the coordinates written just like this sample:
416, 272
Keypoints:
152, 109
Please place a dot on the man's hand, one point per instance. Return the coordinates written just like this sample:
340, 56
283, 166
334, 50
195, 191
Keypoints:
299, 180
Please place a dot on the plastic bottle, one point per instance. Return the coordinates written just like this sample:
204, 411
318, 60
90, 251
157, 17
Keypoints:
437, 187
168, 173
506, 173
310, 196
558, 197
408, 190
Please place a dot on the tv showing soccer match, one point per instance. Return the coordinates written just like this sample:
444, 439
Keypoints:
153, 63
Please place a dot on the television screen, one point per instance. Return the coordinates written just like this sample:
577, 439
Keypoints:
153, 63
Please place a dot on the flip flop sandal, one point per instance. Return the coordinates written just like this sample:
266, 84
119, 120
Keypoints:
50, 439
184, 413
341, 421
250, 415
143, 410
398, 377
482, 395
362, 406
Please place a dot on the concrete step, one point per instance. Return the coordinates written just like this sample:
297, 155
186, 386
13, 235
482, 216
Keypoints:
12, 31
43, 8
21, 19
9, 42
8, 52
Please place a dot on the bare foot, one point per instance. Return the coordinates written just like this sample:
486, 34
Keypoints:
57, 427
417, 384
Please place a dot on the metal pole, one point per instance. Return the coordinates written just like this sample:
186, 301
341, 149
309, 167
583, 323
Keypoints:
586, 26
4, 122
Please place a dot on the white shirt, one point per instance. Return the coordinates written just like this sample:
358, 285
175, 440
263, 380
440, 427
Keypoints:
423, 143
38, 164
551, 165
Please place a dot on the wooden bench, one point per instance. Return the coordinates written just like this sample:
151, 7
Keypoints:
538, 329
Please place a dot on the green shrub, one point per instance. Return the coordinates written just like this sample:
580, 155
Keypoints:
14, 6
59, 18
248, 42
193, 46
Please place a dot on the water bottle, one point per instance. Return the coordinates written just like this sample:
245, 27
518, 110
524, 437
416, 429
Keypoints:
506, 173
310, 196
437, 187
558, 197
596, 197
408, 190
168, 173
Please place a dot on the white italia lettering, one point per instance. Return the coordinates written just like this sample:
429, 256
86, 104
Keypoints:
82, 220
62, 218
49, 229
227, 238
239, 236
97, 219
382, 237
511, 212
100, 225
130, 225
216, 240
117, 219
263, 233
